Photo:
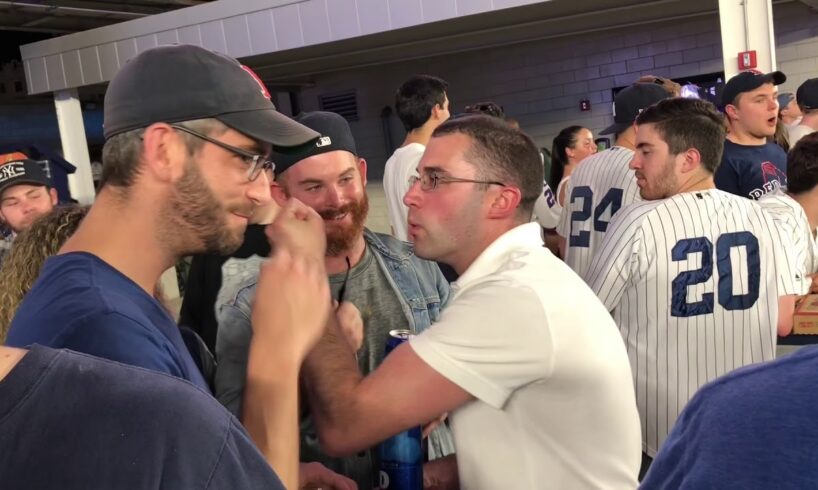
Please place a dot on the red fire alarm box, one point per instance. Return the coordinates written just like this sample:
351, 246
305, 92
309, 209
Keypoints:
747, 60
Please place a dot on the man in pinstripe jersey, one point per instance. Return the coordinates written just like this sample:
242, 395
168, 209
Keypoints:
696, 279
603, 183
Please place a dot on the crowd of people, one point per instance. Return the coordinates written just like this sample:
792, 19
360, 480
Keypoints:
613, 323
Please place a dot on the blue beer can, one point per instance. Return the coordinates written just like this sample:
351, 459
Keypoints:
401, 455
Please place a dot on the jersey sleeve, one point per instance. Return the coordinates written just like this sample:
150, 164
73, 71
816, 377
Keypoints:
545, 208
487, 349
564, 226
617, 258
789, 264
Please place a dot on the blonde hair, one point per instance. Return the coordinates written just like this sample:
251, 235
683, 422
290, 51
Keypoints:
21, 265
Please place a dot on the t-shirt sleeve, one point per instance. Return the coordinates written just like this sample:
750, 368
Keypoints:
241, 465
491, 340
613, 264
119, 338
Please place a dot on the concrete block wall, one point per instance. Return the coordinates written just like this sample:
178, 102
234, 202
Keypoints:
540, 83
796, 36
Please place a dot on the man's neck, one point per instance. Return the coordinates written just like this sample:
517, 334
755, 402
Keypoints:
626, 139
810, 120
9, 357
698, 183
420, 135
337, 264
125, 239
741, 137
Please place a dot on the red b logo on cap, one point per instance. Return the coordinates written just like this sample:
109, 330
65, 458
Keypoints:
264, 91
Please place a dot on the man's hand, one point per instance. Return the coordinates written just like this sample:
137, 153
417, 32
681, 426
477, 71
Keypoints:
441, 474
292, 301
813, 287
298, 228
312, 476
351, 324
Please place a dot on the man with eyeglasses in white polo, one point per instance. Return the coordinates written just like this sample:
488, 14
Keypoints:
525, 359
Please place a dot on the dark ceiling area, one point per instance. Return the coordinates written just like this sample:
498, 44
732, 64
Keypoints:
35, 20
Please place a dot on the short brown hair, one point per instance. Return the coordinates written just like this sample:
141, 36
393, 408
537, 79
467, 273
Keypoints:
122, 152
501, 153
802, 165
688, 123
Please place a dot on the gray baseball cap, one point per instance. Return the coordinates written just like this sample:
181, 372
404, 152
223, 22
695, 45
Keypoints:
183, 82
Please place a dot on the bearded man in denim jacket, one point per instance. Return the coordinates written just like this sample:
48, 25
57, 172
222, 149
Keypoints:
379, 275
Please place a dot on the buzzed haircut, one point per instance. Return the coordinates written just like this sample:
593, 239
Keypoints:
500, 153
802, 165
688, 123
416, 97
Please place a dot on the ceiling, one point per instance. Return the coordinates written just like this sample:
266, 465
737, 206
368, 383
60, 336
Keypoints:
56, 17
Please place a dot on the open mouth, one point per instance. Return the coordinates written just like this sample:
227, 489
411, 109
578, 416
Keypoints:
337, 217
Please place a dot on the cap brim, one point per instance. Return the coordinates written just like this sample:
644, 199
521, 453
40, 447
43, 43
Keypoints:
776, 77
269, 126
615, 128
12, 183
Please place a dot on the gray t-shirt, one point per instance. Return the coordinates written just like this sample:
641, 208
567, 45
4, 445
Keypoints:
368, 288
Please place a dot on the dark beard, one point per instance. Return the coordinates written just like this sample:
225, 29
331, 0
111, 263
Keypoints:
340, 240
195, 211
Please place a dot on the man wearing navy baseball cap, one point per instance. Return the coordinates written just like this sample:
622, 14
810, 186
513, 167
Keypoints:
186, 160
751, 165
26, 193
807, 99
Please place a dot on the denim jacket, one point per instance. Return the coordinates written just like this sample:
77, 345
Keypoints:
418, 284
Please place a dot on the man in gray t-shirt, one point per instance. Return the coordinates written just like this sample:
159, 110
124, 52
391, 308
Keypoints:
379, 275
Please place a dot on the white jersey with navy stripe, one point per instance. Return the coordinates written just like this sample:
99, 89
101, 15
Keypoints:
600, 186
791, 219
547, 209
693, 283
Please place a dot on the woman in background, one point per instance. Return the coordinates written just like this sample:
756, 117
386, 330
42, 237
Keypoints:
570, 147
21, 266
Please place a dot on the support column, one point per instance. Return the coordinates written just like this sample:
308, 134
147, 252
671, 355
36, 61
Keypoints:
747, 25
75, 144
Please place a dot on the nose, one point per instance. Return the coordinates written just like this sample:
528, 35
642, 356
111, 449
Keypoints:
635, 162
258, 191
412, 197
333, 196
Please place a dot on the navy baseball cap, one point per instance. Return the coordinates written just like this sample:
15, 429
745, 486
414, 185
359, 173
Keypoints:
807, 94
747, 81
784, 99
184, 82
632, 100
335, 135
17, 172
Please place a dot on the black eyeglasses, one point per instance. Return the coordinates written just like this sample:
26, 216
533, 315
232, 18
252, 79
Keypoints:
429, 182
343, 290
256, 163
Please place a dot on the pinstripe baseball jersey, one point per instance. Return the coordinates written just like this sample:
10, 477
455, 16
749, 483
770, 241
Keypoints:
600, 186
547, 209
693, 283
791, 219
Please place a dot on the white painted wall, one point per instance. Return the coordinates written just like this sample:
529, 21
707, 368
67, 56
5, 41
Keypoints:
540, 83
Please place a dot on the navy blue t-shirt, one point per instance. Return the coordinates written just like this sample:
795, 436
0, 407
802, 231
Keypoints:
751, 171
81, 303
72, 421
754, 428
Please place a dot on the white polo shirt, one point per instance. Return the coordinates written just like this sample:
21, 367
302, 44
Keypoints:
555, 404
